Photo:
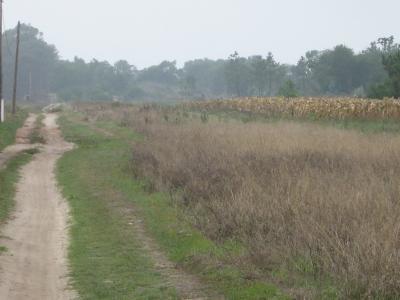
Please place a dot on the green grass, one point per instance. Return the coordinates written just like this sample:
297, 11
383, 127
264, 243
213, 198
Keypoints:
9, 128
8, 178
106, 259
36, 136
366, 126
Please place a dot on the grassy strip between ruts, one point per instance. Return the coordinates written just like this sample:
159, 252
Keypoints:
9, 128
8, 178
36, 135
106, 259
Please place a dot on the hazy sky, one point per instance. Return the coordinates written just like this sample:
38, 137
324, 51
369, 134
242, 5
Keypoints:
146, 32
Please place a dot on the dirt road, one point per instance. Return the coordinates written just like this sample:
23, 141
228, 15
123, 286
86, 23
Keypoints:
36, 237
22, 141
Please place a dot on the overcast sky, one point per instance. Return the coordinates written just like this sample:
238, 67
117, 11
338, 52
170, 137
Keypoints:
146, 32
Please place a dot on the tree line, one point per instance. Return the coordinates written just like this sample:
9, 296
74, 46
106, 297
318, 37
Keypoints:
374, 72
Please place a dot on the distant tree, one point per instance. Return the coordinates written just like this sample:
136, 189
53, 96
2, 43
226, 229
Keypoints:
336, 70
387, 44
370, 69
209, 76
135, 92
380, 91
288, 90
305, 73
165, 73
237, 74
259, 72
271, 67
301, 73
96, 80
189, 86
71, 79
124, 76
390, 53
37, 62
391, 61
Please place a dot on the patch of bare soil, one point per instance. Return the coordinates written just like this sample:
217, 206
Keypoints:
35, 263
22, 141
188, 286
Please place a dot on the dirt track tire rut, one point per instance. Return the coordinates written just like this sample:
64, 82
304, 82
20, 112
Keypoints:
36, 236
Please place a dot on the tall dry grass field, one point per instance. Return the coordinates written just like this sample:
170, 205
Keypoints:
314, 199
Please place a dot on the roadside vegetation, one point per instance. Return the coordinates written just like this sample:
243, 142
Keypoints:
8, 179
36, 136
9, 128
9, 174
313, 205
107, 259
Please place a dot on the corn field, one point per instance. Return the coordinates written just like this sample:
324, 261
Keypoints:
318, 108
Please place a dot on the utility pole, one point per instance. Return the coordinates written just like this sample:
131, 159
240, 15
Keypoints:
14, 103
1, 63
30, 86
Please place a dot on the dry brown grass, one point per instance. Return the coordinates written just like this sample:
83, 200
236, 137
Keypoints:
313, 199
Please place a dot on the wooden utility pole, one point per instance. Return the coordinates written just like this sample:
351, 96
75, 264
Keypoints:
14, 103
30, 86
1, 63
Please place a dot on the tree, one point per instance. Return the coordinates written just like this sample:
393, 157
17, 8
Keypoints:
37, 61
237, 75
259, 71
380, 91
391, 61
96, 80
335, 70
189, 86
301, 73
209, 76
288, 90
124, 76
387, 44
165, 73
304, 73
370, 69
271, 68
